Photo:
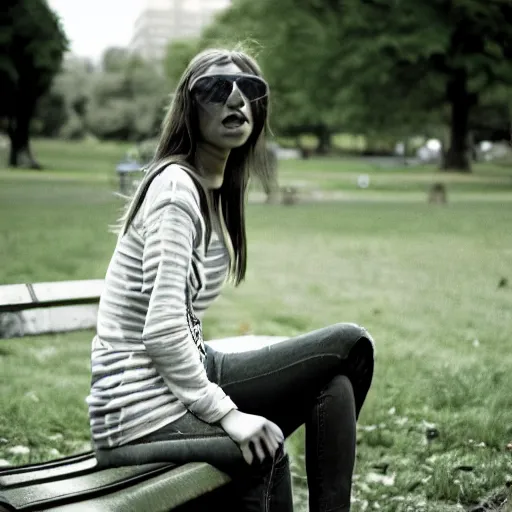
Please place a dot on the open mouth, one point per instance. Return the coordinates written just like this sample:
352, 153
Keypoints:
234, 120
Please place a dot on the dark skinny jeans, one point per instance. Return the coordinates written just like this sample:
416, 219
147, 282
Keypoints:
319, 379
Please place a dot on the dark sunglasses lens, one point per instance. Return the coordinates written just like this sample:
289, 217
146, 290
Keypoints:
213, 89
216, 89
252, 88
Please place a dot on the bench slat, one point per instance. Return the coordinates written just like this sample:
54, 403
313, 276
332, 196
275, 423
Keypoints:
164, 486
52, 320
159, 494
17, 297
14, 294
63, 468
68, 291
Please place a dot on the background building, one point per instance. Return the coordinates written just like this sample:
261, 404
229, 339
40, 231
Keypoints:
163, 21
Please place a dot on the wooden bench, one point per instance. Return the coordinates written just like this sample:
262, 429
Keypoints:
74, 484
41, 308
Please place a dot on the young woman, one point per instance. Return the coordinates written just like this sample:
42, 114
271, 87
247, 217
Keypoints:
160, 394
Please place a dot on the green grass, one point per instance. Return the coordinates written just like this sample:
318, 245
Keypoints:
342, 175
52, 229
423, 280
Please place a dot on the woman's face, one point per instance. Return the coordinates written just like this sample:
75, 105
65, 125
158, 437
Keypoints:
229, 124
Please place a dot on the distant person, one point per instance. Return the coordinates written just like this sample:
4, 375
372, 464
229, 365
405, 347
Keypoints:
158, 392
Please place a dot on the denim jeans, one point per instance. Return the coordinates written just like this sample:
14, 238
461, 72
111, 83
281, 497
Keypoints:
319, 379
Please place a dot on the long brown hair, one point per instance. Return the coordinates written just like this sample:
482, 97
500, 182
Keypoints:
178, 142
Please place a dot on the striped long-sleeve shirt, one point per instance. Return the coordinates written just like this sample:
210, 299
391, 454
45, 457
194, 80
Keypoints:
147, 356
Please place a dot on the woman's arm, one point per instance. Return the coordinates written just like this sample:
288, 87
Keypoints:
171, 232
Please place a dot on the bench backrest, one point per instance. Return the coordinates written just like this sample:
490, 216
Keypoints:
41, 308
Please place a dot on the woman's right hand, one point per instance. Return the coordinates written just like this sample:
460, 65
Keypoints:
247, 429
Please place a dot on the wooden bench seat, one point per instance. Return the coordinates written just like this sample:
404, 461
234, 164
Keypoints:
75, 484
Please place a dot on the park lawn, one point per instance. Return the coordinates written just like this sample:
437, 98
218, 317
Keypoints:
424, 280
96, 161
331, 175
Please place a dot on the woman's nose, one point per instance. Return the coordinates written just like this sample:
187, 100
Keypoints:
235, 99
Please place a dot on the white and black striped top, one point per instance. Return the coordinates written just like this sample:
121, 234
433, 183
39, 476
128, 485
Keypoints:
147, 356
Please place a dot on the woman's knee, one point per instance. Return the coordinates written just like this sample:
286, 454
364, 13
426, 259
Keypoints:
348, 334
342, 386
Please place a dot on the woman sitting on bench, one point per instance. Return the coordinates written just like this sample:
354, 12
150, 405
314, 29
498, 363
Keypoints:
158, 392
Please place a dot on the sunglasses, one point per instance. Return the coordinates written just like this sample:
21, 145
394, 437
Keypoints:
218, 88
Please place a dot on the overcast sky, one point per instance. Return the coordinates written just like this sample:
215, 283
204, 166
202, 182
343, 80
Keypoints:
93, 25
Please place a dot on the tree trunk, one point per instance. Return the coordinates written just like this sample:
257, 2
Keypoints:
19, 132
458, 155
324, 140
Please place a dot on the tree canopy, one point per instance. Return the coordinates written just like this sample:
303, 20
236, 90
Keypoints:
128, 98
366, 65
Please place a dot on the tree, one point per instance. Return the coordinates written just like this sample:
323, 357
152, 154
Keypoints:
441, 54
298, 48
32, 45
370, 65
61, 112
128, 98
491, 119
75, 84
51, 115
177, 57
293, 48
